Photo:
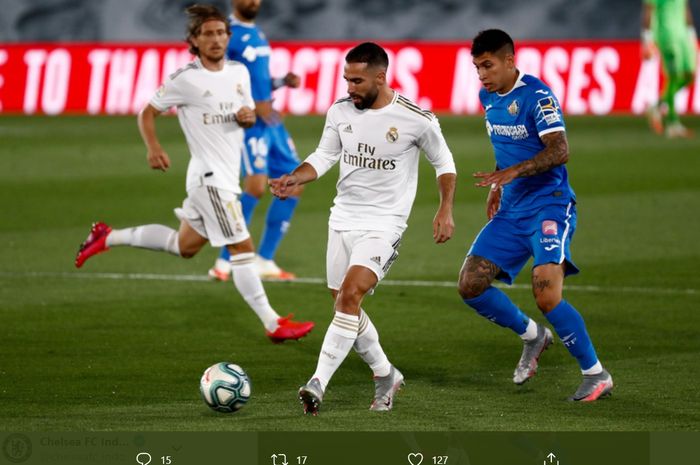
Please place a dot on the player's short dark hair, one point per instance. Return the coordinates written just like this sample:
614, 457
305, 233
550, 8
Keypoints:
197, 15
492, 41
370, 53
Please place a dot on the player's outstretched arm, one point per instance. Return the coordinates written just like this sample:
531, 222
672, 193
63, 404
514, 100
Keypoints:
264, 111
157, 158
289, 80
443, 223
284, 186
555, 153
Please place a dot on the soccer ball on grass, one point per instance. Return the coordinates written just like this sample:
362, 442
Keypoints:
225, 387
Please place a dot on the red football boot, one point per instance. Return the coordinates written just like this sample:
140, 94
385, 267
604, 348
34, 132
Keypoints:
290, 329
94, 244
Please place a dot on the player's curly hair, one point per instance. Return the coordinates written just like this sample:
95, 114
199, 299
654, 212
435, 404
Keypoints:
197, 15
370, 53
492, 41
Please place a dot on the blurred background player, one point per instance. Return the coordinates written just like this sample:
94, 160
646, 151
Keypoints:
214, 103
270, 150
668, 24
532, 213
376, 136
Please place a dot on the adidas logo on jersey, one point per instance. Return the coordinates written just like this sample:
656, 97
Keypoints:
348, 129
377, 260
206, 94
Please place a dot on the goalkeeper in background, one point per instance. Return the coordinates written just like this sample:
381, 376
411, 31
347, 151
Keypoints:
668, 24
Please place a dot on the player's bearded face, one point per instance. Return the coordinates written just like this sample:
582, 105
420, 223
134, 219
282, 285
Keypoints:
362, 84
365, 101
212, 40
247, 8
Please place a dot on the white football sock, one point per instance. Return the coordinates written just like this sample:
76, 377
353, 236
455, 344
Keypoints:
340, 337
530, 332
248, 283
368, 348
150, 236
594, 370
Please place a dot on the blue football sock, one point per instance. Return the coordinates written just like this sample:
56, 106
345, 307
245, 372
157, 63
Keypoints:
248, 203
494, 305
278, 216
569, 325
224, 254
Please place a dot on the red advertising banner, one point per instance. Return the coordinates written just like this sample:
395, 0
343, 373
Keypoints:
588, 77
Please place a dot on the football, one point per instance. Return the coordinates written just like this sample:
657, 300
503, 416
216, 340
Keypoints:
225, 387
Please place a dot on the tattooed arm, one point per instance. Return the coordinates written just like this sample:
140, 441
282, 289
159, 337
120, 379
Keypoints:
555, 153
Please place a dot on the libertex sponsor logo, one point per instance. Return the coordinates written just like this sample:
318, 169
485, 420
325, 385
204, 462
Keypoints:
549, 228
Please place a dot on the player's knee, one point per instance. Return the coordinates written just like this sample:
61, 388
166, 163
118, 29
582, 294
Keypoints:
188, 253
547, 301
469, 288
349, 297
347, 300
256, 190
187, 248
255, 185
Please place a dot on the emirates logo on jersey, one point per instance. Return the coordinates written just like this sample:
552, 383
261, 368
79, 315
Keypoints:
392, 135
369, 162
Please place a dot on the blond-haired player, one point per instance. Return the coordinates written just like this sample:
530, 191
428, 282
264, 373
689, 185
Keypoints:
214, 103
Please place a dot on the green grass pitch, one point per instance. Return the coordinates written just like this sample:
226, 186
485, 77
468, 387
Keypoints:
103, 348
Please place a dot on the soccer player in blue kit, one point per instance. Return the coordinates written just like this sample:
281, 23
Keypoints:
270, 148
532, 212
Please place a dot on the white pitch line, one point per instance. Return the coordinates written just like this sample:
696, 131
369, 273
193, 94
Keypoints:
386, 282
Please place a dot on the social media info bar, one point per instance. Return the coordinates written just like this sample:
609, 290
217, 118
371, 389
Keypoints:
340, 448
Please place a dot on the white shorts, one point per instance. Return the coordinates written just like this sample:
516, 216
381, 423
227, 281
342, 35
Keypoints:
215, 214
375, 250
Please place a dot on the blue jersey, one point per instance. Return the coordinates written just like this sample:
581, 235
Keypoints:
270, 150
249, 46
515, 122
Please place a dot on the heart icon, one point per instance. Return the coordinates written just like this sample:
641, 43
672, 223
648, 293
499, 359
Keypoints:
415, 459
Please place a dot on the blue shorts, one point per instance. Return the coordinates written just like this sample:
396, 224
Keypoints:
270, 151
545, 235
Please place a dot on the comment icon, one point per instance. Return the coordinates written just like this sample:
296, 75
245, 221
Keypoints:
143, 458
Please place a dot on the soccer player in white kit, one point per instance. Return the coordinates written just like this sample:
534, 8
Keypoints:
214, 103
376, 135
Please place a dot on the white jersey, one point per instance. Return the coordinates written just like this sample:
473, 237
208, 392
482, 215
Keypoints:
378, 154
207, 102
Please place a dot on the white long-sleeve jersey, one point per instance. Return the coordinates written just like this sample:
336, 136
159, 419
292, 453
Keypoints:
378, 153
207, 103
